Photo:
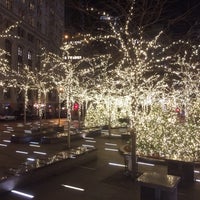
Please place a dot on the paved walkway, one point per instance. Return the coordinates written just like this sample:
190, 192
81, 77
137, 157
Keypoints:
98, 180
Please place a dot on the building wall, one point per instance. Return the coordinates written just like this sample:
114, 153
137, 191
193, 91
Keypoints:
41, 24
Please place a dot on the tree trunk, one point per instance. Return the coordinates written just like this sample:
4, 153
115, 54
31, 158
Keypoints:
133, 154
25, 104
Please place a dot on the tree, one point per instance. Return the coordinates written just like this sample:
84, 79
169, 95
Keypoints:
4, 64
22, 79
144, 63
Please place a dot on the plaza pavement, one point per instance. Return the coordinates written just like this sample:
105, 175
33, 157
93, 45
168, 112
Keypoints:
97, 180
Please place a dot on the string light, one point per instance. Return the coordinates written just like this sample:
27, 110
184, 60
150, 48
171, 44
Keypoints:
132, 84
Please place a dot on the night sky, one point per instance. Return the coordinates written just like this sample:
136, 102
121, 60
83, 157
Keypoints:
177, 15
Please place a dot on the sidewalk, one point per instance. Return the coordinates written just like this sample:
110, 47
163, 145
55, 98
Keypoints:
101, 180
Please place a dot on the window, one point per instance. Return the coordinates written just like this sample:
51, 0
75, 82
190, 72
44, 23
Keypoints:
29, 58
19, 51
21, 13
7, 93
20, 32
39, 12
19, 56
31, 6
30, 37
8, 48
39, 26
39, 44
9, 4
31, 20
7, 23
1, 19
29, 55
39, 2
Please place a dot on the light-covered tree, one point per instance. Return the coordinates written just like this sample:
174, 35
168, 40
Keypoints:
144, 64
23, 80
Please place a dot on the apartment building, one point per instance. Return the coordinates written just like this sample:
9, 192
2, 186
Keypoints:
41, 24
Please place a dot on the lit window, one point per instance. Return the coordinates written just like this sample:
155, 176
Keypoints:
29, 55
8, 46
9, 4
29, 58
19, 56
19, 51
31, 6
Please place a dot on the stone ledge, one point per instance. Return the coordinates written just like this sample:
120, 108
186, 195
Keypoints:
34, 171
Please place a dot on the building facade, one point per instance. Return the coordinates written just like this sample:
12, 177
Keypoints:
40, 25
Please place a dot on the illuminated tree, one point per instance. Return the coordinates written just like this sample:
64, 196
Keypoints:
154, 73
4, 64
22, 79
44, 79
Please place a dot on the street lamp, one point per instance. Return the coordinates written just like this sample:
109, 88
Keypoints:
66, 36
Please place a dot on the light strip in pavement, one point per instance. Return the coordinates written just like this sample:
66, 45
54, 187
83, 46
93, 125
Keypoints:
116, 135
72, 187
148, 164
34, 145
116, 164
3, 145
22, 152
22, 194
85, 145
39, 152
90, 141
33, 142
31, 159
108, 149
111, 144
88, 138
8, 141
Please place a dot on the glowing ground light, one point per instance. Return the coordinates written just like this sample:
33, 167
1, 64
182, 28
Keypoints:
6, 131
116, 135
22, 194
91, 141
39, 152
121, 165
110, 144
22, 152
34, 145
116, 164
72, 187
88, 138
3, 145
8, 141
31, 159
85, 145
109, 149
34, 142
148, 164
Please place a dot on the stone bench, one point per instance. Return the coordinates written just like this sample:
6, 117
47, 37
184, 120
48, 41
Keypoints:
155, 186
28, 135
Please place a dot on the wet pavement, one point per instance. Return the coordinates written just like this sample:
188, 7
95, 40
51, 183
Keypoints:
102, 179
